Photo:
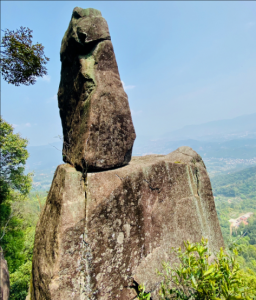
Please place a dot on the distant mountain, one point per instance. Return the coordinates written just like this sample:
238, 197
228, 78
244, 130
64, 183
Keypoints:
226, 139
43, 161
237, 149
44, 157
240, 127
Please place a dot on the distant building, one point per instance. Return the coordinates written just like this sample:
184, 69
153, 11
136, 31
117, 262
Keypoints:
242, 219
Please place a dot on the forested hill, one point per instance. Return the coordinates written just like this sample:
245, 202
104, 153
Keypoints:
238, 184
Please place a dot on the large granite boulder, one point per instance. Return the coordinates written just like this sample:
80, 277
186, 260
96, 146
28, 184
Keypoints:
4, 278
99, 237
97, 125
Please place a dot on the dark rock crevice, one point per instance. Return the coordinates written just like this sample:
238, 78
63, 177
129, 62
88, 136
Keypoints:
120, 177
196, 172
152, 188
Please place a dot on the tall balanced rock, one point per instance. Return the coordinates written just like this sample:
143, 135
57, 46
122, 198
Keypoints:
94, 109
99, 238
103, 233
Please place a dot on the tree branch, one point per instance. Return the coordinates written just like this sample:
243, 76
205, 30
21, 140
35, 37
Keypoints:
11, 215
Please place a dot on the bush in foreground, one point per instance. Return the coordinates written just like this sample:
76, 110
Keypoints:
196, 278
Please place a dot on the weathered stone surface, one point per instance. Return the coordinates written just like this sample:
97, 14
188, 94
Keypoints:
94, 241
57, 257
4, 277
94, 109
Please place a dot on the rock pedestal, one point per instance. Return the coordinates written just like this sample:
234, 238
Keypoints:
97, 125
99, 237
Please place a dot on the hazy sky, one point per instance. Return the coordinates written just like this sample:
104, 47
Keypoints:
181, 63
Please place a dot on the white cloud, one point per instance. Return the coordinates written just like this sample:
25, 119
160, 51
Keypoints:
21, 126
46, 78
127, 87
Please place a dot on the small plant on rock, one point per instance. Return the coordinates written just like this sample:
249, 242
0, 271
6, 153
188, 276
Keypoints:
142, 294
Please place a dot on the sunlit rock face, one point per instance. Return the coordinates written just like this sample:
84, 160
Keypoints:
97, 125
100, 236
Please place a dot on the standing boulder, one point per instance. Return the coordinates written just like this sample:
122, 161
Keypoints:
97, 124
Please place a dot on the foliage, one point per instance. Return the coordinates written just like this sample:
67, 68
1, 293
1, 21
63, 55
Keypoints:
142, 294
250, 230
20, 242
196, 278
249, 278
235, 194
231, 207
19, 281
242, 183
21, 61
13, 158
14, 186
247, 252
19, 212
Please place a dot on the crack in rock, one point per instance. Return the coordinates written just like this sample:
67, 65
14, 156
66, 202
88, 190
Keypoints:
152, 189
121, 178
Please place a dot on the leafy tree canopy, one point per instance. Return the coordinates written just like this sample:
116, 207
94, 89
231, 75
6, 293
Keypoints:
13, 158
21, 61
14, 186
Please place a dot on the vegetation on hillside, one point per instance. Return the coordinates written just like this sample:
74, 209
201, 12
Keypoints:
14, 187
239, 184
19, 210
235, 195
20, 239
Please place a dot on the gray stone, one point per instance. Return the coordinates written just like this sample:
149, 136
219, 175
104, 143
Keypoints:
97, 125
96, 238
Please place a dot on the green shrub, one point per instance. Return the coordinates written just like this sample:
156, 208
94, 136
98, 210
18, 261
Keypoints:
196, 278
199, 276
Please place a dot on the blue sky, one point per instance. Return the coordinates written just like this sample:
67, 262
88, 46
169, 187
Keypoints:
181, 62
